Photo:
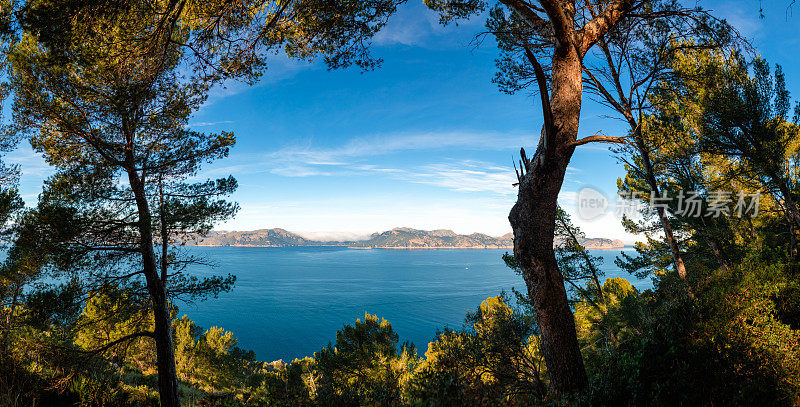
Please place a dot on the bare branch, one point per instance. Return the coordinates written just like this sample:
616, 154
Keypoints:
120, 340
597, 138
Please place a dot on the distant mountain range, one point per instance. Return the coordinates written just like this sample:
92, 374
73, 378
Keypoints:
397, 238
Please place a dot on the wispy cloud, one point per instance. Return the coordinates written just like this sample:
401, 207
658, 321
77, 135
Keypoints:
393, 156
33, 169
205, 124
567, 198
279, 68
30, 162
375, 168
466, 176
299, 170
359, 156
454, 175
411, 25
334, 236
414, 24
743, 17
359, 148
377, 213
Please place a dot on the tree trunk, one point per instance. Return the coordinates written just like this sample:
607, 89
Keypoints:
165, 356
165, 351
533, 221
712, 243
680, 267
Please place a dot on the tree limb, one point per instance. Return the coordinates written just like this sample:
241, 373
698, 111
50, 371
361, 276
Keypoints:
547, 111
597, 138
120, 340
539, 25
563, 25
600, 25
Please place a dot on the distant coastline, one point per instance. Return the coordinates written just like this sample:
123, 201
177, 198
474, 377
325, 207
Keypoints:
396, 239
431, 247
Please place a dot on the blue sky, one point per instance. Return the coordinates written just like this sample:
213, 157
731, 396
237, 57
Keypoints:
426, 141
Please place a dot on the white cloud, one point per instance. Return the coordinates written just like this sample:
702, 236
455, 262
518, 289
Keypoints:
468, 176
204, 124
302, 160
363, 156
411, 25
31, 163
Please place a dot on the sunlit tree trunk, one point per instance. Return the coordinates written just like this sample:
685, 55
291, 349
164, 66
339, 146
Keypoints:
533, 221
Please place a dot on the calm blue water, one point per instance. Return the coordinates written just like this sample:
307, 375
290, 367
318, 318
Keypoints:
289, 302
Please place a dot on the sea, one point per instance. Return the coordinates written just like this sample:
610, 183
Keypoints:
288, 302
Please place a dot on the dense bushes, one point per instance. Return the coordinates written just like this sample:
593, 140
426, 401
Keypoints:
727, 346
493, 360
364, 367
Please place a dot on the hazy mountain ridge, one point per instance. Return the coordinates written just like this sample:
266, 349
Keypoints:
601, 243
397, 238
259, 238
439, 238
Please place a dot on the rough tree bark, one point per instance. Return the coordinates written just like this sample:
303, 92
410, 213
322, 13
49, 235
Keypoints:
533, 222
533, 217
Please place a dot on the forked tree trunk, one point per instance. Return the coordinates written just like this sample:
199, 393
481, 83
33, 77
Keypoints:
533, 220
165, 351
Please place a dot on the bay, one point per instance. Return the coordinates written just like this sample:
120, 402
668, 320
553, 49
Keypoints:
289, 302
